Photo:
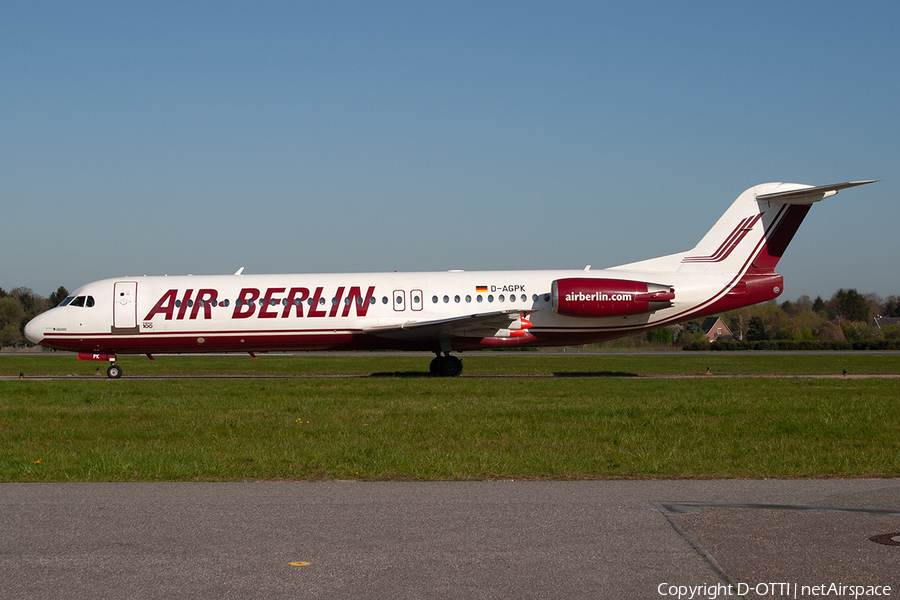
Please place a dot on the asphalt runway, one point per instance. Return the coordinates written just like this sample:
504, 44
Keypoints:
466, 540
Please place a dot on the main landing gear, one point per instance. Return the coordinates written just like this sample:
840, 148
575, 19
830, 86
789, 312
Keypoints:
445, 366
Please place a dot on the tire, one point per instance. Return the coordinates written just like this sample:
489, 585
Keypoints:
450, 366
114, 371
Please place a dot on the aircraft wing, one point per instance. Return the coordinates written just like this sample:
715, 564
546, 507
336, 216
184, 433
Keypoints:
476, 325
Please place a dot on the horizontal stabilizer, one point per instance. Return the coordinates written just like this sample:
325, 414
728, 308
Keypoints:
810, 194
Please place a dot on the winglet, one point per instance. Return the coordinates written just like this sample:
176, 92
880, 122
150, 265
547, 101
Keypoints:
811, 194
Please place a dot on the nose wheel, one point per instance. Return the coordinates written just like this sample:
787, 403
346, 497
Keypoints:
445, 366
114, 371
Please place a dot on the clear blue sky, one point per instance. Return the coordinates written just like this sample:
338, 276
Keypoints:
199, 137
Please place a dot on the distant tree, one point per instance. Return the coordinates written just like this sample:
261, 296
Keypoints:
29, 300
31, 303
663, 335
11, 317
694, 326
756, 330
891, 307
738, 322
58, 296
818, 304
848, 305
829, 331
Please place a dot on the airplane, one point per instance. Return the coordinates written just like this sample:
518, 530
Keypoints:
732, 266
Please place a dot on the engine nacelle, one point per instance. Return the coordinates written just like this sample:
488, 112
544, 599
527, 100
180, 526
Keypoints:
593, 297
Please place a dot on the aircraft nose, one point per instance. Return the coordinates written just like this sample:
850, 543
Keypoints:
34, 331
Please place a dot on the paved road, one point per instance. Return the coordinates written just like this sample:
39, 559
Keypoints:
571, 540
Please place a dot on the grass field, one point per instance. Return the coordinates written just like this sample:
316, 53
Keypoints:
595, 419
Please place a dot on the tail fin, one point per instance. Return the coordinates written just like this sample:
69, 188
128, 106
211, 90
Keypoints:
741, 250
753, 233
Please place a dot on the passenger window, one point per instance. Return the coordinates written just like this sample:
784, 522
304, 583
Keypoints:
478, 297
524, 298
225, 302
446, 299
384, 300
434, 299
501, 298
456, 299
468, 298
371, 299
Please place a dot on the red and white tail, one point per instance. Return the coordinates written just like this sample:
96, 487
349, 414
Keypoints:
755, 231
737, 257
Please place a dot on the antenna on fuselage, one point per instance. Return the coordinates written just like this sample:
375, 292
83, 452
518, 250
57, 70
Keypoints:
239, 271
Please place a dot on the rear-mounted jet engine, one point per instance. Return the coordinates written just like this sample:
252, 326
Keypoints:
592, 297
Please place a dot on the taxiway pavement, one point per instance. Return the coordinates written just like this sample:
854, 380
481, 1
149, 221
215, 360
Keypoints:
466, 540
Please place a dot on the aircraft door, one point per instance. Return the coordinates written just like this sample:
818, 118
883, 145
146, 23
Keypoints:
399, 301
125, 306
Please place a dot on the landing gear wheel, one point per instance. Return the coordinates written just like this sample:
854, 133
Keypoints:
446, 366
114, 371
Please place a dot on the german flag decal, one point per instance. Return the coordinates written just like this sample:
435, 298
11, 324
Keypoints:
480, 288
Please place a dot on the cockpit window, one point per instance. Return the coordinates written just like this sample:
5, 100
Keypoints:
83, 301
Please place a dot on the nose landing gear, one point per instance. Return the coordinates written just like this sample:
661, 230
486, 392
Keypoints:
114, 371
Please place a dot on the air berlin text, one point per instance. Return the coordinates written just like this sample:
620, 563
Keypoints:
598, 297
272, 303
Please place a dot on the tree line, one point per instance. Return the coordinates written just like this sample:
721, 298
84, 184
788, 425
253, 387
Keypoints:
20, 305
845, 321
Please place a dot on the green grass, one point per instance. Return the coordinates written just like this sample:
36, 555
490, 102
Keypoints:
418, 428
